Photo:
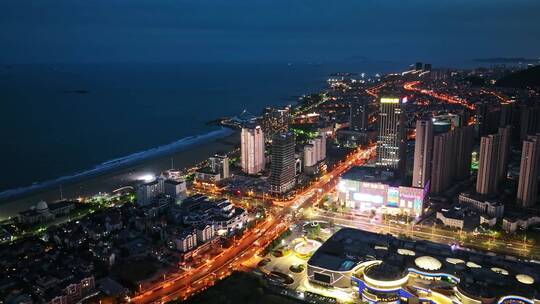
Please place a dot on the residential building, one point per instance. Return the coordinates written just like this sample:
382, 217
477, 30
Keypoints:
487, 179
220, 164
148, 191
359, 115
186, 241
252, 149
175, 189
527, 193
282, 176
423, 149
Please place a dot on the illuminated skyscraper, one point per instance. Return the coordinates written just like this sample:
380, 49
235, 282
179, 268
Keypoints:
528, 171
487, 179
252, 149
422, 153
282, 176
391, 143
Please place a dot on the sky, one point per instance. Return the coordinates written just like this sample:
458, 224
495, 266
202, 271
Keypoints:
88, 31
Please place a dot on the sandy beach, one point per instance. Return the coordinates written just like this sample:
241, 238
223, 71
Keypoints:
117, 178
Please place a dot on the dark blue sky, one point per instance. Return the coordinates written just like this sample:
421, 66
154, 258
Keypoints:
274, 30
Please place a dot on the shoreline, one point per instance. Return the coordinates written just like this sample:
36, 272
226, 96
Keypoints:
123, 174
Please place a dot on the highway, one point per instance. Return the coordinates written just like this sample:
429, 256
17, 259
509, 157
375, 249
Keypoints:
411, 86
194, 280
253, 241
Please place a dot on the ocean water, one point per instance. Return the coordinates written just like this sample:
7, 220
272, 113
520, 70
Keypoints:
58, 120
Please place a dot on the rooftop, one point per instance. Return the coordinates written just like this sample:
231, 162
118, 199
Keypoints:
476, 273
372, 175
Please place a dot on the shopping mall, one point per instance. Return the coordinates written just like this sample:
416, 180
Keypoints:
369, 188
386, 269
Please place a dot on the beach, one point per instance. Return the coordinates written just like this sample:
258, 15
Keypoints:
122, 176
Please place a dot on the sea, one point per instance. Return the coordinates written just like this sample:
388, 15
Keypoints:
59, 121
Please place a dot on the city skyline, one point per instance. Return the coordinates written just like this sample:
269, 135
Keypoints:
167, 152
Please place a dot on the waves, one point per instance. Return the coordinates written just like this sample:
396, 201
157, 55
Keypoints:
121, 162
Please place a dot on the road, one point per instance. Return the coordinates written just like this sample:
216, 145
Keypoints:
411, 86
432, 233
252, 242
194, 280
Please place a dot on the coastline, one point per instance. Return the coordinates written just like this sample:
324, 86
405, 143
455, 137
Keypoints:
124, 174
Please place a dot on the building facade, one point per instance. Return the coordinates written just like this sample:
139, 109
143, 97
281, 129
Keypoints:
388, 270
423, 149
528, 172
487, 179
220, 164
391, 145
252, 149
359, 115
282, 177
366, 189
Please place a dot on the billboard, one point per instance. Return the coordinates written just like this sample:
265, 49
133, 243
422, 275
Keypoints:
364, 196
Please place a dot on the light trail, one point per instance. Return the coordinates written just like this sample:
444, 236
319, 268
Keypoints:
411, 86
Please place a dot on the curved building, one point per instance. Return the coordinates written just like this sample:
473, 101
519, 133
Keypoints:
385, 269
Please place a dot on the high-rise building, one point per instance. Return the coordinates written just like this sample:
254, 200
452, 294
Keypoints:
220, 164
528, 171
282, 176
148, 191
310, 156
487, 179
451, 158
315, 151
359, 115
464, 144
423, 149
175, 189
502, 170
442, 165
529, 121
507, 111
487, 119
252, 149
391, 143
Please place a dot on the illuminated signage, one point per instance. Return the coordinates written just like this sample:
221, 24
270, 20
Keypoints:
369, 198
367, 195
389, 100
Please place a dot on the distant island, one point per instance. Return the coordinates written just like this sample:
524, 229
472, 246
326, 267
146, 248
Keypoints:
77, 91
525, 78
507, 60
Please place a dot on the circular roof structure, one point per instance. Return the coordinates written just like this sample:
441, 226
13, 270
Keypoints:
428, 263
41, 206
306, 247
499, 270
455, 261
525, 279
473, 265
385, 275
406, 252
